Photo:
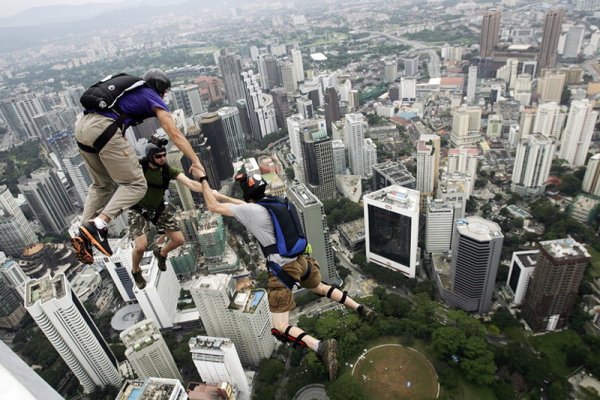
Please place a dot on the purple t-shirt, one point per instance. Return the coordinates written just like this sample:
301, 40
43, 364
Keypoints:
140, 102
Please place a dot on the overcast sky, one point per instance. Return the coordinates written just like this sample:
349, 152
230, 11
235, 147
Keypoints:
12, 7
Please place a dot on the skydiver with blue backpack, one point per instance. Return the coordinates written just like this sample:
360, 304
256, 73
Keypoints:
274, 223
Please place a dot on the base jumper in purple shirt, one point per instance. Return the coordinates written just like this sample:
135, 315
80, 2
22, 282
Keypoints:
117, 163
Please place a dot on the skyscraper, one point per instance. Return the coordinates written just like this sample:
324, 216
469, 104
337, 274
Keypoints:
13, 275
231, 67
239, 313
312, 218
577, 135
48, 200
339, 157
428, 163
11, 306
259, 106
298, 66
392, 173
119, 267
591, 180
288, 77
217, 361
550, 87
490, 32
354, 135
532, 165
471, 83
548, 48
521, 268
297, 126
16, 232
318, 164
439, 225
160, 296
390, 71
236, 142
20, 381
62, 318
552, 291
463, 160
476, 249
332, 108
573, 42
392, 227
268, 70
305, 107
411, 66
188, 99
78, 173
549, 120
281, 105
212, 127
147, 352
369, 156
466, 122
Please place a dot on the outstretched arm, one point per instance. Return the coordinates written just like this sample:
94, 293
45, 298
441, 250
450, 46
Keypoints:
212, 203
193, 185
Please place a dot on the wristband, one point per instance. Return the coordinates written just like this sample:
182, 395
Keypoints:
202, 179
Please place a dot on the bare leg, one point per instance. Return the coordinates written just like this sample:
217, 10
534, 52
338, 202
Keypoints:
282, 320
336, 295
176, 239
139, 247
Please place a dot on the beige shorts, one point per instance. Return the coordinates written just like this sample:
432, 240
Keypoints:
280, 297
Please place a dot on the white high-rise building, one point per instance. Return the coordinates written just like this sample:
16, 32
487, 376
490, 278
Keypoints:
573, 41
550, 87
234, 133
152, 388
521, 269
577, 135
61, 316
119, 267
591, 180
16, 232
217, 361
241, 314
259, 106
288, 77
532, 165
549, 120
428, 163
354, 134
439, 226
20, 381
188, 99
13, 275
160, 296
455, 191
466, 123
339, 157
523, 89
297, 126
370, 156
392, 228
298, 66
390, 71
311, 214
147, 352
463, 160
408, 89
471, 83
79, 174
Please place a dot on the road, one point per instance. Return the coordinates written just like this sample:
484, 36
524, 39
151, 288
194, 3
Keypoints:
434, 63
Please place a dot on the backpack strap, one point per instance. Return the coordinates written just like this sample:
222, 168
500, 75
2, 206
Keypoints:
166, 179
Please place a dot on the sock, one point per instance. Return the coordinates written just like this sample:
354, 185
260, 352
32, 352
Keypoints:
100, 223
316, 349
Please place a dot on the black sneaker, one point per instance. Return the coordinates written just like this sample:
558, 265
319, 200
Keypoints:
98, 237
162, 260
366, 313
327, 352
140, 282
84, 251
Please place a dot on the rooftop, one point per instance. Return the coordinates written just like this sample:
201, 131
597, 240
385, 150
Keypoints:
44, 289
148, 389
396, 196
528, 258
478, 228
302, 193
565, 249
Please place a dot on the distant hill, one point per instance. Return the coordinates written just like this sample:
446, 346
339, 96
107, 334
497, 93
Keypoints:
31, 27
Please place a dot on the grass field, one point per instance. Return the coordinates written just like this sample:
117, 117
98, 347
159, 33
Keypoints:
552, 344
393, 372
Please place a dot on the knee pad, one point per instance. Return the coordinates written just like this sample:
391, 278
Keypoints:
285, 337
344, 294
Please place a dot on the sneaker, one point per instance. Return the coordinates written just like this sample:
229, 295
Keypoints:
98, 237
140, 282
327, 352
162, 260
366, 313
83, 249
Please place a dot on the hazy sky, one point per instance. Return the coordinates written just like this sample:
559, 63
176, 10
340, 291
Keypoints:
12, 7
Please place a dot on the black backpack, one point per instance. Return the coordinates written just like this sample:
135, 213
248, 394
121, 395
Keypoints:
165, 174
103, 95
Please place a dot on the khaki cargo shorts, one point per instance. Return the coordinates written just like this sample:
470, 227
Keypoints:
280, 297
139, 225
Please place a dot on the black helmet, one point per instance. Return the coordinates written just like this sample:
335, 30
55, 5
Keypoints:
157, 80
253, 186
151, 149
